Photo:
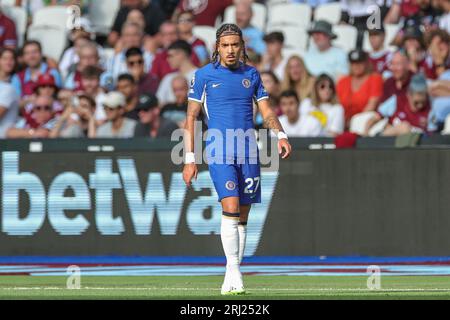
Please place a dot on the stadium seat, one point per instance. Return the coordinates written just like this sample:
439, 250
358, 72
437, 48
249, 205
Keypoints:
52, 38
346, 37
289, 52
391, 31
330, 12
207, 34
259, 15
102, 14
19, 16
359, 121
446, 130
293, 14
295, 37
52, 16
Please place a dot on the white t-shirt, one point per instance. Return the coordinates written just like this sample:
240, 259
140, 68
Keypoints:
332, 62
279, 70
9, 100
333, 112
165, 92
306, 126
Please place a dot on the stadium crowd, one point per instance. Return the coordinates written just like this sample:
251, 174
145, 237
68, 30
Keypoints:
140, 88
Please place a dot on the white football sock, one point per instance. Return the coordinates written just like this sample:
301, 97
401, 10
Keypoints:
242, 239
230, 241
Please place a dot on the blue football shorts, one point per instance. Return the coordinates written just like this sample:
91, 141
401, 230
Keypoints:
237, 180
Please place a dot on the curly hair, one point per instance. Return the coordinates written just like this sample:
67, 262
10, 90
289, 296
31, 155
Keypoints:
228, 29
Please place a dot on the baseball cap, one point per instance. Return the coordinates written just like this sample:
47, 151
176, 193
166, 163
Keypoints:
147, 102
114, 100
358, 56
275, 36
46, 80
418, 83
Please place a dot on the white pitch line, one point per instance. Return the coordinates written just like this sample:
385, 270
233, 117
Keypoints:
216, 289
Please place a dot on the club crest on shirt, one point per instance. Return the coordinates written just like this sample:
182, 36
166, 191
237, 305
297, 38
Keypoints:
246, 83
230, 185
193, 81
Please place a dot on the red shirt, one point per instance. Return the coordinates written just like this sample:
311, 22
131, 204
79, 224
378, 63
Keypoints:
404, 113
205, 11
8, 36
354, 102
380, 63
408, 8
161, 67
390, 88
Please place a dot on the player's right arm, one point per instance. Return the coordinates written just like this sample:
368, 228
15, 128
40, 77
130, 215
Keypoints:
190, 170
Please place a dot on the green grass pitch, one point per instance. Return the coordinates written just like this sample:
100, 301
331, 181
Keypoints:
208, 288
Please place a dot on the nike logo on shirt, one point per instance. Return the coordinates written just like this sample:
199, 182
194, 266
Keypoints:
216, 85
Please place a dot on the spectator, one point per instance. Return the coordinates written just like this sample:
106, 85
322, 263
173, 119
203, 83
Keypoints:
362, 89
206, 12
379, 56
153, 15
90, 78
185, 26
294, 123
297, 77
176, 111
325, 58
9, 106
438, 43
161, 66
414, 45
45, 87
253, 36
272, 86
401, 75
126, 85
25, 81
38, 124
413, 13
7, 64
88, 57
146, 82
150, 123
444, 21
406, 112
324, 100
78, 37
117, 125
8, 35
132, 37
77, 120
178, 55
273, 60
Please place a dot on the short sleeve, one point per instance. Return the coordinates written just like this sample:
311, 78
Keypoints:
260, 91
388, 108
7, 96
197, 89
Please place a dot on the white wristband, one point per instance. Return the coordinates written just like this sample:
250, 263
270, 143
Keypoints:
190, 158
282, 135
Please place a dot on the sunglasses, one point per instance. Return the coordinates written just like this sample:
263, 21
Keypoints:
42, 108
324, 86
137, 62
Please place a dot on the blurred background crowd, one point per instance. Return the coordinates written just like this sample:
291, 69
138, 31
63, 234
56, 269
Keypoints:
122, 69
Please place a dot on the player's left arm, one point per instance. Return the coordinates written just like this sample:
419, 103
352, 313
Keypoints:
272, 122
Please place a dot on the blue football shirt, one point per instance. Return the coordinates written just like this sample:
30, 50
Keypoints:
227, 96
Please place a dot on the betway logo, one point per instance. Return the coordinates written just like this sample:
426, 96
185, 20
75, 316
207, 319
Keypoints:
143, 204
